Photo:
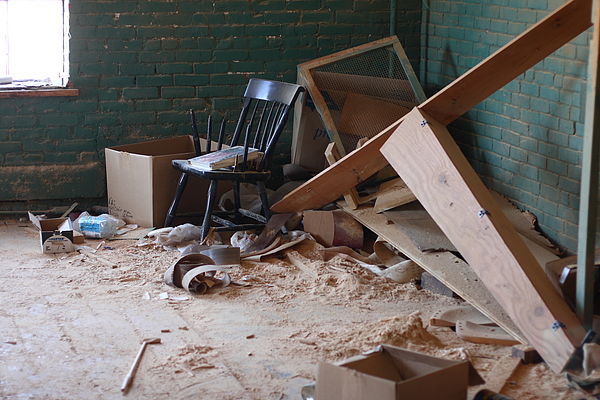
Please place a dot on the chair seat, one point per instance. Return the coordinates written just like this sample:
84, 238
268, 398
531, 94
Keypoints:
220, 174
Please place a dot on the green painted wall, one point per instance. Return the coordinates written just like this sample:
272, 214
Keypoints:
525, 140
141, 65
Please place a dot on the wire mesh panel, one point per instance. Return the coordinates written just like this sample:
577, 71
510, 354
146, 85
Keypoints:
361, 91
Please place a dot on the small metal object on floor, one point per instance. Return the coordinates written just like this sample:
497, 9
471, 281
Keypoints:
129, 378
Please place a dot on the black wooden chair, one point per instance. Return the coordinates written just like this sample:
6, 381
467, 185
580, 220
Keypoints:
264, 114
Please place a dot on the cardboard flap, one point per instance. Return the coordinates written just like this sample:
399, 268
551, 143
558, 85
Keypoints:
35, 220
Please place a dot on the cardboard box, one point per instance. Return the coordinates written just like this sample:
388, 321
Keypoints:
392, 373
141, 182
56, 234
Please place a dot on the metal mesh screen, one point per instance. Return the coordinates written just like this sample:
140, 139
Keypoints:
365, 93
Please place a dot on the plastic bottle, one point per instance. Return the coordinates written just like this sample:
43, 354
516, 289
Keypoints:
100, 227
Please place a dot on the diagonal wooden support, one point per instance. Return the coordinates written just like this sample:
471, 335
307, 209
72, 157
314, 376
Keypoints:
510, 61
431, 164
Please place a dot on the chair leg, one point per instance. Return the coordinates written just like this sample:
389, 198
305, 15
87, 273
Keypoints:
210, 203
178, 192
237, 203
264, 199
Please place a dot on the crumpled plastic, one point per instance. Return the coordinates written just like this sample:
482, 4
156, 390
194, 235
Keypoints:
243, 240
172, 236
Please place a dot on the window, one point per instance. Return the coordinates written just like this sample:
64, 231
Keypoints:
34, 47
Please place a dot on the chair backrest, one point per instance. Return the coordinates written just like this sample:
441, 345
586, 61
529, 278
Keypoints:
265, 111
266, 108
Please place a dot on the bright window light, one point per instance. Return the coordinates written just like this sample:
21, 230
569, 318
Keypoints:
34, 45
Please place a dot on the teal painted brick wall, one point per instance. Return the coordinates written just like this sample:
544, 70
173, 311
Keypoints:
525, 140
141, 65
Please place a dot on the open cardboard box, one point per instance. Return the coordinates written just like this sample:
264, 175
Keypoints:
141, 182
56, 234
392, 373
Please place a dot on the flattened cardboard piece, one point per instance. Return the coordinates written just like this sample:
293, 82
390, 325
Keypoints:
392, 373
141, 181
56, 234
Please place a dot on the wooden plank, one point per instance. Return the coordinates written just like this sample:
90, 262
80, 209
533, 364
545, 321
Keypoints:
510, 61
588, 204
452, 271
433, 167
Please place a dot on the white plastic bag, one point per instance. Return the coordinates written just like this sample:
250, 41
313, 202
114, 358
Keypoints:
173, 236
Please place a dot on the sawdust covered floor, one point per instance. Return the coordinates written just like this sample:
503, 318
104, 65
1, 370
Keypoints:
71, 326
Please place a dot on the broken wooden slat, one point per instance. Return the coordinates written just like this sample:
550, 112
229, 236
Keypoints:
393, 194
510, 61
426, 157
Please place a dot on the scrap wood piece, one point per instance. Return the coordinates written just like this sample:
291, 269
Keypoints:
393, 194
483, 334
454, 272
524, 223
500, 374
450, 190
474, 86
449, 315
526, 353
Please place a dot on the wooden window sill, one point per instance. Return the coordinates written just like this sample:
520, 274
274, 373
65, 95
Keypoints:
38, 93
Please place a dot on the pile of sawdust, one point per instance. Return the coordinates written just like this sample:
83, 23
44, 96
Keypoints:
406, 331
190, 358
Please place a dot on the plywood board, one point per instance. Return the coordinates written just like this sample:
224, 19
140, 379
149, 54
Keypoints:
510, 61
431, 164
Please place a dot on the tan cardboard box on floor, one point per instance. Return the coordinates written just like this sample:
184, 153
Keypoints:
56, 234
392, 373
141, 181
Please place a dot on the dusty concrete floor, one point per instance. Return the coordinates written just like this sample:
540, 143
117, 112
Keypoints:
71, 325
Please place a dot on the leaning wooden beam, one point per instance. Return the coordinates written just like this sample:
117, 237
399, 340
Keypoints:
589, 184
431, 164
510, 61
